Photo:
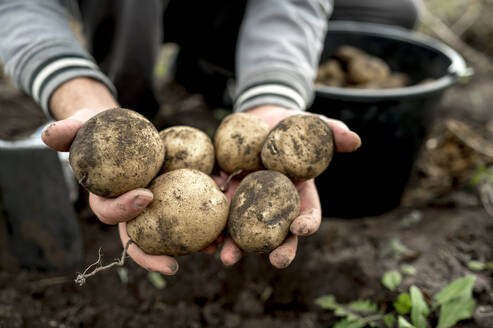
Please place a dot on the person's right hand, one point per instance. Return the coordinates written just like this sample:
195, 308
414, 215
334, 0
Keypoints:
119, 210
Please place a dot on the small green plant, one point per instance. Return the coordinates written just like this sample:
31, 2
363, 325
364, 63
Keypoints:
479, 266
392, 279
410, 310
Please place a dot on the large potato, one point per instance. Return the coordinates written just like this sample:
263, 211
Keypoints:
238, 142
188, 213
187, 147
262, 210
116, 151
300, 146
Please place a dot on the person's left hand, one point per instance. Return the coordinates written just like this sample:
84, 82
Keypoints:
310, 216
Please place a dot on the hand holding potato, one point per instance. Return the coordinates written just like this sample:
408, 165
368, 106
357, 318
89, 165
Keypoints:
119, 210
310, 212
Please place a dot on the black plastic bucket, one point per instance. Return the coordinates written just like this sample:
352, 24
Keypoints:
392, 123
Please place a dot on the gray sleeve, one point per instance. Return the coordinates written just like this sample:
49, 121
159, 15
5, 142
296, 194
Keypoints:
278, 51
39, 50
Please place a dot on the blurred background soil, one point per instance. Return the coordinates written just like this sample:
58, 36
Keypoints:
442, 225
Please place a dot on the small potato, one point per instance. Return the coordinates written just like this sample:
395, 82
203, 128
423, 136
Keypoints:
187, 147
300, 146
188, 213
238, 142
116, 151
367, 69
347, 53
262, 210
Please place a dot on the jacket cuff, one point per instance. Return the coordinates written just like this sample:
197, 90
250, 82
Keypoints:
46, 73
280, 87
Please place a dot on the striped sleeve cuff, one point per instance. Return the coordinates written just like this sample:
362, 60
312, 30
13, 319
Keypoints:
273, 88
47, 75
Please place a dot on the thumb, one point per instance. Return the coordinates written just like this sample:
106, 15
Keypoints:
59, 135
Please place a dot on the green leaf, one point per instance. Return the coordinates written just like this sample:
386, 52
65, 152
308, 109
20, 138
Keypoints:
479, 175
476, 266
459, 288
157, 280
456, 301
363, 306
389, 320
411, 219
408, 269
395, 248
403, 304
345, 323
419, 308
455, 311
123, 275
403, 323
489, 265
391, 279
327, 302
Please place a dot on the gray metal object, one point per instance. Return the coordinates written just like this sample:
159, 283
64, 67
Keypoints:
42, 226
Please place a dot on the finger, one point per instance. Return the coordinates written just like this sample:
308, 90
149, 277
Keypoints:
283, 255
345, 139
211, 249
310, 216
122, 208
156, 263
59, 135
231, 253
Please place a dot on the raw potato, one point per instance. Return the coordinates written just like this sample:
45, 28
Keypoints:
262, 210
347, 53
351, 67
367, 69
188, 213
187, 147
116, 151
300, 146
238, 142
331, 73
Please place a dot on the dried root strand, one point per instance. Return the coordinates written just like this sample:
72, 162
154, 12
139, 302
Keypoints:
226, 183
81, 277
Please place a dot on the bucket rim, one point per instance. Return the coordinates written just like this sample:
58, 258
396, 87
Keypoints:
457, 69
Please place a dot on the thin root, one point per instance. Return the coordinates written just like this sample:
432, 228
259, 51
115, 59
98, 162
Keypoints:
225, 185
81, 277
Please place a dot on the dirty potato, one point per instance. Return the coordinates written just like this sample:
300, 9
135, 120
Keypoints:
116, 151
367, 69
238, 142
188, 213
262, 210
300, 146
187, 147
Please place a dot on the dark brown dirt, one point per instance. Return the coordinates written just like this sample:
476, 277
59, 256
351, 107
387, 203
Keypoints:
346, 258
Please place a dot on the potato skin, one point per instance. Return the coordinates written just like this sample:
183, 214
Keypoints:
116, 151
238, 142
300, 146
367, 69
188, 213
187, 147
262, 210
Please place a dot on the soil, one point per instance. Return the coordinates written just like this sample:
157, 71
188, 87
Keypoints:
345, 258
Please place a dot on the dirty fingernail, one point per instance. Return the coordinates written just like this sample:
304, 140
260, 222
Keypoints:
280, 261
173, 267
300, 230
141, 201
